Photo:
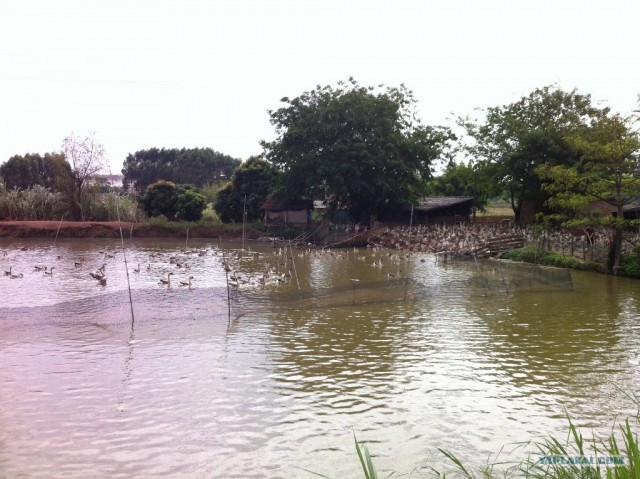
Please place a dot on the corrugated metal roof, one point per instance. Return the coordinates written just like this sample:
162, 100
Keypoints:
437, 202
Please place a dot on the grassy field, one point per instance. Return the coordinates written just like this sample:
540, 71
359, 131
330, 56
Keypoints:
497, 208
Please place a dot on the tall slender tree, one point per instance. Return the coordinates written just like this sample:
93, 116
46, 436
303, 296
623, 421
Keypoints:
608, 170
87, 158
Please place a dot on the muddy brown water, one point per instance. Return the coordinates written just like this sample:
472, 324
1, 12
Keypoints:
411, 356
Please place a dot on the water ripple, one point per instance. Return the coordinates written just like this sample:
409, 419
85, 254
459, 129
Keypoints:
186, 391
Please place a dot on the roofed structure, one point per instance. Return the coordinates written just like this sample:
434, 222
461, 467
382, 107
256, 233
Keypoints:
443, 209
281, 212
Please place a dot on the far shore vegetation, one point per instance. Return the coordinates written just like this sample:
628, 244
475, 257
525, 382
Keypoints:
551, 159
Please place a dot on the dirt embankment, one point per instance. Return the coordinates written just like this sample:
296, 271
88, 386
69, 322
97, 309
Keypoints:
111, 229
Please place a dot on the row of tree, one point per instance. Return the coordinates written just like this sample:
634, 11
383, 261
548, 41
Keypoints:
70, 173
364, 149
194, 166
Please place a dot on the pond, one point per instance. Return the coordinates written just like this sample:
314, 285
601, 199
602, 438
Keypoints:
275, 374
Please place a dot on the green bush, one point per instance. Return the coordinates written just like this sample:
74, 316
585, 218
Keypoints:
210, 216
190, 204
530, 254
630, 265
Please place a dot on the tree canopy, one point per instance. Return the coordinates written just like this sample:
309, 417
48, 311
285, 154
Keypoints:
252, 182
513, 140
459, 179
608, 170
51, 171
182, 202
361, 146
196, 166
87, 158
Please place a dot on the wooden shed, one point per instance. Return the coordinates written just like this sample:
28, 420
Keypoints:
278, 212
443, 210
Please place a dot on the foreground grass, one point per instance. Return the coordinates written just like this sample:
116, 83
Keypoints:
617, 456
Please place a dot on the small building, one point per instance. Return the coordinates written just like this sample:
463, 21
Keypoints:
443, 210
280, 213
632, 212
113, 181
601, 209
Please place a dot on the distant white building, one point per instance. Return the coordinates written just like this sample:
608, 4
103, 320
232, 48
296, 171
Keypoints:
114, 181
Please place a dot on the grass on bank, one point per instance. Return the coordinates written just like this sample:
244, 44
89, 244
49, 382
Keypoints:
531, 254
630, 263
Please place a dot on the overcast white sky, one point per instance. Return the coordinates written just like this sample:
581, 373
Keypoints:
197, 73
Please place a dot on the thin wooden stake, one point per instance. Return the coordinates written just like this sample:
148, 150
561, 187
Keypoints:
244, 218
126, 267
295, 271
226, 274
58, 231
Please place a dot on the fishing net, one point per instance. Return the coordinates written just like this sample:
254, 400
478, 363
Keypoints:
507, 278
356, 293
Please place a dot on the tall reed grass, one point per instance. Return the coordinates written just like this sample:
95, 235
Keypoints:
39, 203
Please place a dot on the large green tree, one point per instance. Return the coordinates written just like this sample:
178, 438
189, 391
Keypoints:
608, 170
251, 184
197, 166
512, 141
182, 202
460, 179
361, 146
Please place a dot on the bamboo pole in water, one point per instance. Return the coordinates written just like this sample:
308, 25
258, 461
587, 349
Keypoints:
126, 267
244, 218
504, 281
484, 280
226, 274
58, 230
406, 284
295, 271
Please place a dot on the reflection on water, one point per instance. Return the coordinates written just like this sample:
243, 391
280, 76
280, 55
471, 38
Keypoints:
411, 355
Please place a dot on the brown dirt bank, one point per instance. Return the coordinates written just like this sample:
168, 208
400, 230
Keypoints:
111, 229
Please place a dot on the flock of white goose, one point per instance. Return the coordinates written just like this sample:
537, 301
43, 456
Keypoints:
182, 267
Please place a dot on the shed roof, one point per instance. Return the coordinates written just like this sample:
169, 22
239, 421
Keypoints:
436, 202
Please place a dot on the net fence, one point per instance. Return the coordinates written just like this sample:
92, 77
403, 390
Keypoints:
486, 279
